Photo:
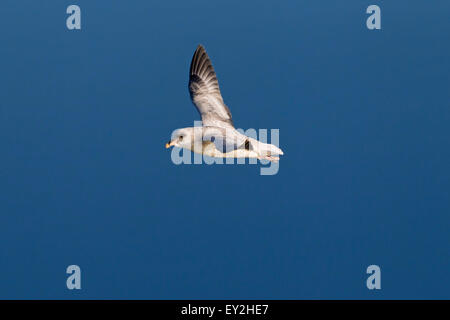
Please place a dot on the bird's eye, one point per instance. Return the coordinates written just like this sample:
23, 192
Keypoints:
181, 138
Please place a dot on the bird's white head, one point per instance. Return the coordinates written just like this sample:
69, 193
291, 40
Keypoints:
182, 138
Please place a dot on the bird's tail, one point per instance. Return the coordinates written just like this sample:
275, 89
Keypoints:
265, 150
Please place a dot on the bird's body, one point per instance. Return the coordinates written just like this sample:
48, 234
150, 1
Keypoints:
217, 137
223, 143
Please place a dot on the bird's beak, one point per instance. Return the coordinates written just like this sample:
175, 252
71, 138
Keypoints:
169, 144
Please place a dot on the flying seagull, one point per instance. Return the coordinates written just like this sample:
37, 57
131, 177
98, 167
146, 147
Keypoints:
217, 137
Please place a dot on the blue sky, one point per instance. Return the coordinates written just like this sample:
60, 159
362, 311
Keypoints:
364, 125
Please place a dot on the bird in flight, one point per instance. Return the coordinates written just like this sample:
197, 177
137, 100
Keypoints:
217, 136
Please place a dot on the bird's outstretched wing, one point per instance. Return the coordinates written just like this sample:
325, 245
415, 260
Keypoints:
205, 92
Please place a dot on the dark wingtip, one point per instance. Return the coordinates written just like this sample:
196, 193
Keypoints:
197, 57
200, 49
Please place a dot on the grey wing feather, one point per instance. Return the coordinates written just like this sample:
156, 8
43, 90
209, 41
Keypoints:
205, 92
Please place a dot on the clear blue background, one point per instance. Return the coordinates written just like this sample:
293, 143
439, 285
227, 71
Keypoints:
364, 122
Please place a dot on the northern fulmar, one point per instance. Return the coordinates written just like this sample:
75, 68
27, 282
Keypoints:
217, 137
